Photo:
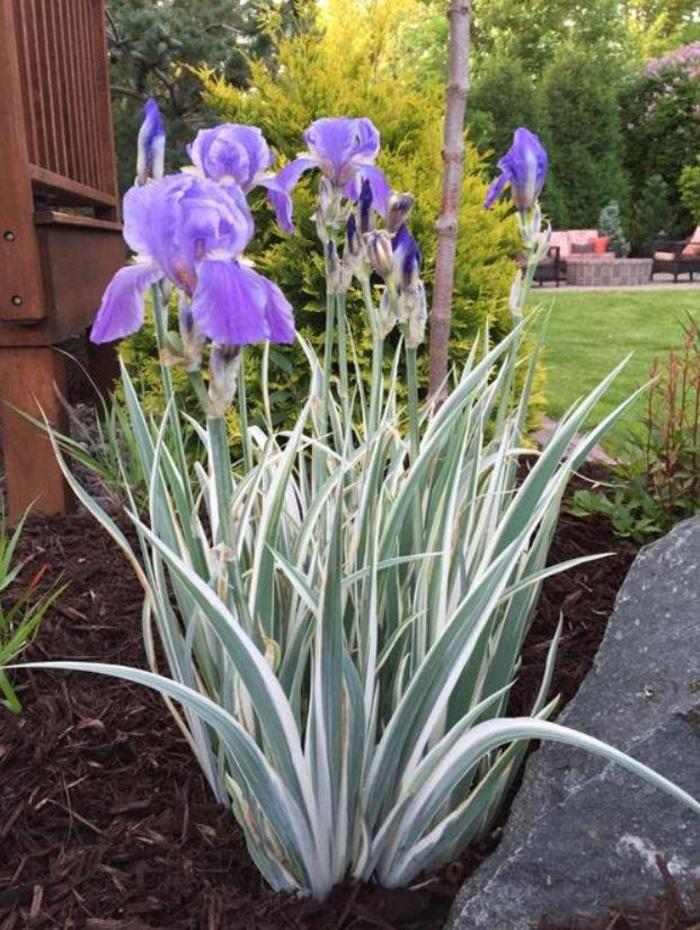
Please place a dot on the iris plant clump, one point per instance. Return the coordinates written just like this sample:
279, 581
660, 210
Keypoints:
341, 613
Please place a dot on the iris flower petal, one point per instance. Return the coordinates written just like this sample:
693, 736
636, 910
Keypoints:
121, 312
285, 182
378, 184
146, 211
181, 219
291, 174
234, 305
368, 138
281, 202
279, 313
231, 151
229, 302
341, 143
333, 141
213, 218
496, 189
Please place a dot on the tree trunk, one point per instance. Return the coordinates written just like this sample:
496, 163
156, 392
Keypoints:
453, 157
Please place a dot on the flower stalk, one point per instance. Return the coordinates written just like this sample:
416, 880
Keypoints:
328, 344
412, 390
341, 307
243, 415
377, 380
160, 320
230, 575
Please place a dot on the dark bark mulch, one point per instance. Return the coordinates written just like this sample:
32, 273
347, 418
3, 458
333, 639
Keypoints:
105, 821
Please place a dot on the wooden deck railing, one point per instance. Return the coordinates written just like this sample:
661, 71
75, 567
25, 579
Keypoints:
61, 51
60, 239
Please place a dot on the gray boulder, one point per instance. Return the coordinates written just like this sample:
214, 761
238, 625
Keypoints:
583, 835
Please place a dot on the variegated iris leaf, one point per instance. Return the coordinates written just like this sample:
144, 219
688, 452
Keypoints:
342, 621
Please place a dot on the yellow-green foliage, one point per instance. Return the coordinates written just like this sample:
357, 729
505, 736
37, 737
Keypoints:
359, 60
355, 63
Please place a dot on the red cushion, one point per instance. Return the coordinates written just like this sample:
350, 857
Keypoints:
600, 244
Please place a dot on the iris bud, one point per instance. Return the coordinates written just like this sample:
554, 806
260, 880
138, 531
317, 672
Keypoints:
150, 162
417, 310
524, 168
387, 312
355, 254
334, 270
325, 196
407, 258
332, 260
365, 202
329, 212
193, 339
380, 252
353, 243
410, 266
400, 205
324, 209
224, 362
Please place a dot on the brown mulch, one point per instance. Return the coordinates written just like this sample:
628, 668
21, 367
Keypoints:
105, 820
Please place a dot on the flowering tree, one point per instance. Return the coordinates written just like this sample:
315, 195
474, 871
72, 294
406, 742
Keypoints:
661, 114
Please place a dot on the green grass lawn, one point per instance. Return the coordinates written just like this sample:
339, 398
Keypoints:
590, 332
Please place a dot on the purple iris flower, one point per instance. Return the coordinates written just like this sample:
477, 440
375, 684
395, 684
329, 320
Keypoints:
236, 154
344, 150
150, 162
524, 167
191, 231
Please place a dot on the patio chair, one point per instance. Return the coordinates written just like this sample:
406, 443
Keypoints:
677, 257
565, 243
552, 267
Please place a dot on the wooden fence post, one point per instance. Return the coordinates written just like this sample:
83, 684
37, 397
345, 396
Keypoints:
29, 378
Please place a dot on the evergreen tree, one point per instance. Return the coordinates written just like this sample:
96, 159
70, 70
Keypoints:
653, 214
610, 224
153, 44
503, 96
584, 137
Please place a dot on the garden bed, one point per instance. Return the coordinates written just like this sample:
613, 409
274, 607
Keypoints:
105, 820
